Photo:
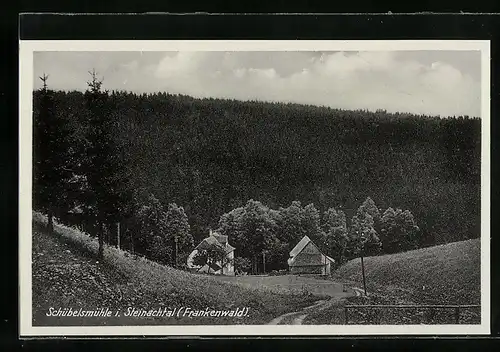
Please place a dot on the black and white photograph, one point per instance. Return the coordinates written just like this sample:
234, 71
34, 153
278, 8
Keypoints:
254, 187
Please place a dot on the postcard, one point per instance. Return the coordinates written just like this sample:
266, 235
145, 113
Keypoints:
254, 187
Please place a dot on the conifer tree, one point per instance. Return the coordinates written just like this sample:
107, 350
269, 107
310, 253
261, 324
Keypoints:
50, 155
101, 159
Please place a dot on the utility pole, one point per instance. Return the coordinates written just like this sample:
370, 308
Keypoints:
362, 253
175, 240
264, 260
363, 270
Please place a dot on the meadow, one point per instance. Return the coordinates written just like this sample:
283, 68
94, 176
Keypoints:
440, 275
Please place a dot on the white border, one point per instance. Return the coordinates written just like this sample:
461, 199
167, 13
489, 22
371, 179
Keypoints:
25, 196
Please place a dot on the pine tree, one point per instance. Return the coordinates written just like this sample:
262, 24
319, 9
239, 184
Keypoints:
101, 159
50, 156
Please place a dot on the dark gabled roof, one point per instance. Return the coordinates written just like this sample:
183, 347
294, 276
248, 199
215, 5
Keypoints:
221, 238
215, 239
207, 242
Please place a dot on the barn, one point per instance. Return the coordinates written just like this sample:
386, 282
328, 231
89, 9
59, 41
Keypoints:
306, 258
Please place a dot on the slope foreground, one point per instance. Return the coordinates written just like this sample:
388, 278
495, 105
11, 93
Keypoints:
445, 274
67, 275
442, 275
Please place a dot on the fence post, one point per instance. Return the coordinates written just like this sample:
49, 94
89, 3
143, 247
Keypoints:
345, 315
118, 235
457, 314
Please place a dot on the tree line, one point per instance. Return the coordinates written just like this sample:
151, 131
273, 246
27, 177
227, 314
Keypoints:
100, 156
265, 236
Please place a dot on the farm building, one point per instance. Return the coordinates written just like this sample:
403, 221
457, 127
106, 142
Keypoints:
225, 267
306, 258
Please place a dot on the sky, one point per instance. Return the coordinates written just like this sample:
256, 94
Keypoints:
445, 83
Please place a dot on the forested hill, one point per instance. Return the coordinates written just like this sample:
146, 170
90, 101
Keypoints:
211, 156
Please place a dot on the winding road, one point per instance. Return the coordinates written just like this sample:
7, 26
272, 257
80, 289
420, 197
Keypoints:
331, 290
297, 318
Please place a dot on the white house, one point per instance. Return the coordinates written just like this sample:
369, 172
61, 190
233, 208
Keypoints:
306, 258
225, 267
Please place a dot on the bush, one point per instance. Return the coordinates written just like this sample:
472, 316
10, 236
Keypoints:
242, 264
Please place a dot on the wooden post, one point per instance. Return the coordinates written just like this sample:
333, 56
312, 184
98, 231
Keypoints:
118, 235
457, 314
100, 253
345, 316
175, 239
363, 270
264, 262
132, 241
324, 264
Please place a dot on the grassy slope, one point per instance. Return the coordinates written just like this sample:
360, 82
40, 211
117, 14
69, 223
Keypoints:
65, 274
445, 274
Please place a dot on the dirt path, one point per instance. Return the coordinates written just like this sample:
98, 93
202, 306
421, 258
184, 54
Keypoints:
333, 293
297, 318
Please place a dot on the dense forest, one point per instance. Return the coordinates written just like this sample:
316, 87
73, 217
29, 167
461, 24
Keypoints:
211, 156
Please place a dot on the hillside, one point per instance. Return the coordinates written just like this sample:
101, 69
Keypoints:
441, 275
66, 275
213, 155
445, 274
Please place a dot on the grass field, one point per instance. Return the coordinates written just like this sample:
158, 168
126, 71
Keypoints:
67, 275
441, 275
291, 283
446, 274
